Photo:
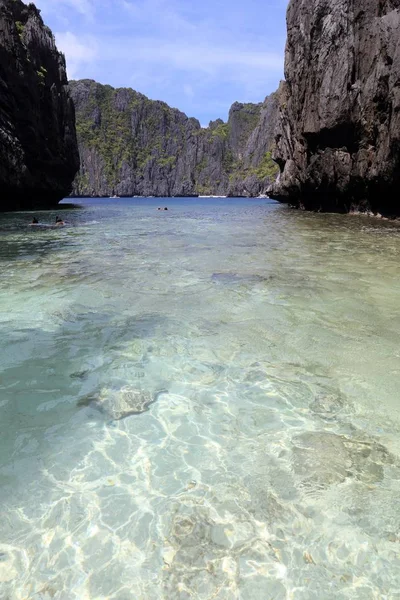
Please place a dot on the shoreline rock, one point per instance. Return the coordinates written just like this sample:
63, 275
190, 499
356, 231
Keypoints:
38, 148
338, 137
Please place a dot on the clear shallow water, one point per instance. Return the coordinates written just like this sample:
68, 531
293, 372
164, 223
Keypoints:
263, 346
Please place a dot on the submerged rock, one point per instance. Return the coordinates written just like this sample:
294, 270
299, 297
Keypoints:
117, 405
338, 138
327, 406
321, 459
79, 374
38, 148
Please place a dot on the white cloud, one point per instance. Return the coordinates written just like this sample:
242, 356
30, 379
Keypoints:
78, 54
153, 66
83, 7
178, 38
208, 58
196, 56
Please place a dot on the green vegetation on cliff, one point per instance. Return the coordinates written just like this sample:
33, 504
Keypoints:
267, 167
222, 131
106, 131
130, 145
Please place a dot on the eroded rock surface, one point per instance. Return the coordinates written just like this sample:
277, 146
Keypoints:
338, 141
38, 148
130, 145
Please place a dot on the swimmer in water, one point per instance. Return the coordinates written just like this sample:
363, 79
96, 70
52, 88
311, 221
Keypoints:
35, 221
59, 221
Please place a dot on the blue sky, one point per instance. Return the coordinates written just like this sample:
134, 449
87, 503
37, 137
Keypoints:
197, 55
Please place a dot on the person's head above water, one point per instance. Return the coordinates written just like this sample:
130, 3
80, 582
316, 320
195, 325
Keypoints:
35, 221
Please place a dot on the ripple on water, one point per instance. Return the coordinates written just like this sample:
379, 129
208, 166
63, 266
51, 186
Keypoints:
184, 421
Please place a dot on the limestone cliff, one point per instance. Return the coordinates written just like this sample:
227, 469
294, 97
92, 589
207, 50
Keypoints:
338, 142
38, 149
130, 145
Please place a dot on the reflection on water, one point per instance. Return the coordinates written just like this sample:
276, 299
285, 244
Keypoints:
199, 404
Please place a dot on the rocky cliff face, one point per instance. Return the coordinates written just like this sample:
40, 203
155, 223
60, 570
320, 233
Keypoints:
38, 149
338, 142
130, 145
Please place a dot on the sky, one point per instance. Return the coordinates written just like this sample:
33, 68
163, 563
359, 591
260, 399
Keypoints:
197, 55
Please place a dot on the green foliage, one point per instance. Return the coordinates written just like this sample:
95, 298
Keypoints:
20, 28
102, 128
267, 169
123, 127
82, 182
143, 156
204, 189
251, 111
41, 73
222, 131
167, 161
201, 165
228, 161
127, 128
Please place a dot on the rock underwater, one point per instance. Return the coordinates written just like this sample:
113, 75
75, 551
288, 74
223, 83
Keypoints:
119, 404
322, 458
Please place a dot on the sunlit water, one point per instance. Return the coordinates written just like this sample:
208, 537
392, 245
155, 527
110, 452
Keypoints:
199, 404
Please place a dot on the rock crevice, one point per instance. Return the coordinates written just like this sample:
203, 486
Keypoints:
38, 148
338, 135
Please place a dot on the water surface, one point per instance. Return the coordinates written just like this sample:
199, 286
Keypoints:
199, 403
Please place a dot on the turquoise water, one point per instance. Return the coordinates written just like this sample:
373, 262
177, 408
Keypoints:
199, 404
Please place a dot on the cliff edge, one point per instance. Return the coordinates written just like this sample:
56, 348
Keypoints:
130, 145
338, 138
38, 148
